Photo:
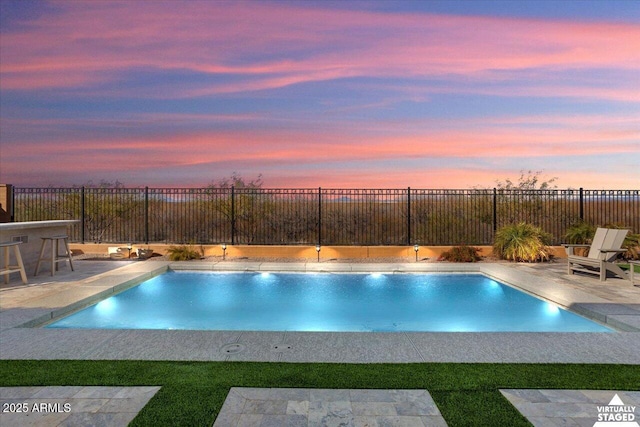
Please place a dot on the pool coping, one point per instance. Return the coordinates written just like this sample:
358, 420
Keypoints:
20, 340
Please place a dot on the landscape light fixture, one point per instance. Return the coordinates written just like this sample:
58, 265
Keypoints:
224, 251
129, 246
416, 248
318, 251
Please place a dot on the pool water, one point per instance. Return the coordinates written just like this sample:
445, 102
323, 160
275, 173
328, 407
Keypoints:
327, 302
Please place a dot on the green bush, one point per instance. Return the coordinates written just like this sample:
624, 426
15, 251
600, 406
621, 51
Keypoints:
523, 243
462, 253
183, 253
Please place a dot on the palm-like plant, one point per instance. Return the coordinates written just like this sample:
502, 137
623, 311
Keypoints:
523, 243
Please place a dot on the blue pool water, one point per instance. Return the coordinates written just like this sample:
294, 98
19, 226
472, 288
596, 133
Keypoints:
327, 302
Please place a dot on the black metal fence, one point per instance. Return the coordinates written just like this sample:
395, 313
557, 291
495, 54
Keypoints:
318, 216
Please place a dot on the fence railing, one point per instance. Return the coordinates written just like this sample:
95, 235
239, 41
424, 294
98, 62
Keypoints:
318, 216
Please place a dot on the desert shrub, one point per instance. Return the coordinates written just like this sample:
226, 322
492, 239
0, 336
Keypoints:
632, 244
183, 253
580, 233
462, 253
522, 242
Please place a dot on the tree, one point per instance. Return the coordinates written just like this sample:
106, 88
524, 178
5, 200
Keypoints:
530, 181
243, 213
236, 180
108, 208
532, 200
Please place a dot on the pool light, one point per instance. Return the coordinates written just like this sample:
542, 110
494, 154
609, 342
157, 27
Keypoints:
551, 309
106, 306
416, 248
129, 246
318, 251
224, 251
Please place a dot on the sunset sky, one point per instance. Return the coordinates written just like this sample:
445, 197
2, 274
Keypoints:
429, 94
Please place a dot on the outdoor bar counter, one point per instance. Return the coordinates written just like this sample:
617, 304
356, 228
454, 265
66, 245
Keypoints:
30, 233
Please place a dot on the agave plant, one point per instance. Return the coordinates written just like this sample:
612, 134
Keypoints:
523, 243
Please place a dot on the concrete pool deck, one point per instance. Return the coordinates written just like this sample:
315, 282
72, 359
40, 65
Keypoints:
23, 308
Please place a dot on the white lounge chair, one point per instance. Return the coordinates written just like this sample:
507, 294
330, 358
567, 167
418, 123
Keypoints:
605, 247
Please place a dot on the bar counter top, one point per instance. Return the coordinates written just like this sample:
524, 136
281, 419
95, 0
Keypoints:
36, 224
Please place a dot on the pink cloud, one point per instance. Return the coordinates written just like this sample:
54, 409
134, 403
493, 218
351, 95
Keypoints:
254, 149
272, 45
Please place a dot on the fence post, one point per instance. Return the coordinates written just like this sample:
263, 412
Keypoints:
408, 216
146, 215
581, 205
233, 215
495, 210
319, 216
82, 215
12, 211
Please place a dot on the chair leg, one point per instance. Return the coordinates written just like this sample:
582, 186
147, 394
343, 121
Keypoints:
23, 273
54, 256
615, 269
6, 264
66, 246
40, 257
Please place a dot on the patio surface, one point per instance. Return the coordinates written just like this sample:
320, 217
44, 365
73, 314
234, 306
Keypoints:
615, 303
293, 407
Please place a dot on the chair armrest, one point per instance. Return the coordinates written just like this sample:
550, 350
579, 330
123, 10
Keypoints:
603, 252
569, 248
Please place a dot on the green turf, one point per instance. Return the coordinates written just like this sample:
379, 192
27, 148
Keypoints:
636, 268
193, 392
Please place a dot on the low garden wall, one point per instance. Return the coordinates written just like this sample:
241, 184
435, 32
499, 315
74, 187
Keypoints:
296, 252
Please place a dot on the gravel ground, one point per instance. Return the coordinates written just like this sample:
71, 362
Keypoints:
391, 260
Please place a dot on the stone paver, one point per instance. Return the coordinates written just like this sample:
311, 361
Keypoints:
593, 408
117, 406
72, 405
327, 407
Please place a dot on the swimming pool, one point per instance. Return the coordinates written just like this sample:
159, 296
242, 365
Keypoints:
327, 302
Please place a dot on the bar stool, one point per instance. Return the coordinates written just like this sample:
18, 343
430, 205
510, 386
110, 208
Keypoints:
56, 257
8, 269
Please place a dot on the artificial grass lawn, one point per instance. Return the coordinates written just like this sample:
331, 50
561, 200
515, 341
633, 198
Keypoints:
192, 393
636, 268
